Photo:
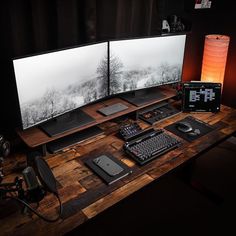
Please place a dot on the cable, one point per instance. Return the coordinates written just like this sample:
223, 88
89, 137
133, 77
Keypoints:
36, 212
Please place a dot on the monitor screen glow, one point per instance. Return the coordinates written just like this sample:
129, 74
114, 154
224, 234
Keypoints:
54, 83
146, 62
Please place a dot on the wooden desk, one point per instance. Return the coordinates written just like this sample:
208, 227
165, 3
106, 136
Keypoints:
84, 195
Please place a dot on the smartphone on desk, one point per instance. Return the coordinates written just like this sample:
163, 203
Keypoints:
108, 165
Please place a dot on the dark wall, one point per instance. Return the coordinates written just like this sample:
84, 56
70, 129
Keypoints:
29, 27
36, 26
217, 20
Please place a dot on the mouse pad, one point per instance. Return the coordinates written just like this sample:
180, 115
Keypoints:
200, 128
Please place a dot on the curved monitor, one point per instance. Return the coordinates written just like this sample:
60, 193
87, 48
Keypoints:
54, 83
145, 62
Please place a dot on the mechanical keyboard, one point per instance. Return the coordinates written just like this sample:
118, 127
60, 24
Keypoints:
150, 146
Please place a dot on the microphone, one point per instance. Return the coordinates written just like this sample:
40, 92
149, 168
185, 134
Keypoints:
34, 191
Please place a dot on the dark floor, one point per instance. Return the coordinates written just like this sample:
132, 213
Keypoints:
173, 206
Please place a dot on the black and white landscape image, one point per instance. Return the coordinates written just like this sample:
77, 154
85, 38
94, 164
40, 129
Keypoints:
51, 84
143, 63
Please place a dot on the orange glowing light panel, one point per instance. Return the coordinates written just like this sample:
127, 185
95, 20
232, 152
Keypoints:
214, 58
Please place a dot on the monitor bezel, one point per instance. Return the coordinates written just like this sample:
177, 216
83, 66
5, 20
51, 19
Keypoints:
54, 51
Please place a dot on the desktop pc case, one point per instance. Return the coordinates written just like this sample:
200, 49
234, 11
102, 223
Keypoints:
201, 97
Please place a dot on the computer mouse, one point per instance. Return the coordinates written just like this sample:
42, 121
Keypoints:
195, 132
184, 126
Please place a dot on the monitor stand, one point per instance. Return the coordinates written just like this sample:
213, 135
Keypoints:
73, 139
66, 122
143, 97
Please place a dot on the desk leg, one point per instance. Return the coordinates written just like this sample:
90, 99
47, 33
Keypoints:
44, 150
41, 150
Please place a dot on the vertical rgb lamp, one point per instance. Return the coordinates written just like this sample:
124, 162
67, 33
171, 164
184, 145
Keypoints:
214, 58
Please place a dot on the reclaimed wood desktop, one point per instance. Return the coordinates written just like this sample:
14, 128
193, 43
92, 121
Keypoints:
84, 195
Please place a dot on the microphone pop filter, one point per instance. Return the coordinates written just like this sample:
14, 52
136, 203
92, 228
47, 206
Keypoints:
45, 175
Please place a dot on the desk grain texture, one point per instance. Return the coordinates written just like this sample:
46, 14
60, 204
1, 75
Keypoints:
84, 195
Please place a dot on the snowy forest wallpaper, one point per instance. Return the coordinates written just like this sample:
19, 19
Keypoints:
81, 85
55, 102
143, 63
54, 83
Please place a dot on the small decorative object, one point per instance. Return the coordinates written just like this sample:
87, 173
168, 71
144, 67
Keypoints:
214, 58
201, 4
165, 26
176, 24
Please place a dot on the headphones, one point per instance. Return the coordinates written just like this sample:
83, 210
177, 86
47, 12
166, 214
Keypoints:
4, 147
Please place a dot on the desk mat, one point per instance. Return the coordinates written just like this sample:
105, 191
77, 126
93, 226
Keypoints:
203, 127
103, 175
